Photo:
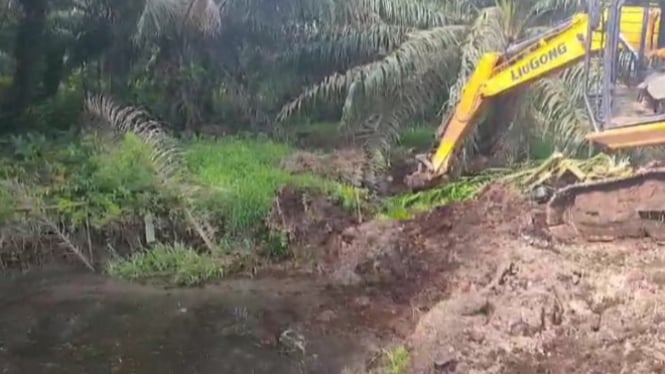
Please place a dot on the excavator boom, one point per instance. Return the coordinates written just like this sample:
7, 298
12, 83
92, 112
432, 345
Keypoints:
496, 74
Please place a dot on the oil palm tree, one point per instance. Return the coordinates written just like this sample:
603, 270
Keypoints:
433, 58
383, 61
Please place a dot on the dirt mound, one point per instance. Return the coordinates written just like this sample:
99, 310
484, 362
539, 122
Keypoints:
609, 210
574, 310
414, 257
345, 165
473, 292
311, 221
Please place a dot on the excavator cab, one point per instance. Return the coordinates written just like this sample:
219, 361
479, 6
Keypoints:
625, 77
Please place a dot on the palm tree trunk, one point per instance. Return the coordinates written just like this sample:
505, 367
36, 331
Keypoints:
29, 53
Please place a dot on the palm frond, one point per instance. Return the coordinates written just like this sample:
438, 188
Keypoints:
548, 11
42, 219
286, 14
373, 79
344, 46
166, 155
379, 128
164, 17
420, 14
558, 109
485, 35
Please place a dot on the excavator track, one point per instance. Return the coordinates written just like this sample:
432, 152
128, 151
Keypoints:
611, 209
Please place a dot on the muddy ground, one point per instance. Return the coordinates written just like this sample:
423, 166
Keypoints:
64, 321
475, 287
481, 287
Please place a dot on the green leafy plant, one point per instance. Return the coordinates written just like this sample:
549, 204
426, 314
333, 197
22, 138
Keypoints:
401, 207
174, 265
398, 360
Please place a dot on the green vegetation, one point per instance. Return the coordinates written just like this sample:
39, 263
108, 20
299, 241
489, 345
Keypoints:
418, 137
88, 174
404, 206
175, 265
90, 188
397, 360
246, 175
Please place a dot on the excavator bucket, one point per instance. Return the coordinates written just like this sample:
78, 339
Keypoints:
454, 128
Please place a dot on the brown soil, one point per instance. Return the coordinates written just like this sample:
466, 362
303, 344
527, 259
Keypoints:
619, 209
312, 222
474, 287
344, 164
350, 165
478, 287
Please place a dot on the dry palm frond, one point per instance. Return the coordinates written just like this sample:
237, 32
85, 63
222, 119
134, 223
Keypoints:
165, 154
36, 213
598, 167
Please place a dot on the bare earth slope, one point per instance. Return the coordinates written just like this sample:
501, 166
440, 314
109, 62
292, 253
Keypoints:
478, 287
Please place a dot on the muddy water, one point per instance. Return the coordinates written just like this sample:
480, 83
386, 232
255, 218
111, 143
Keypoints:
61, 321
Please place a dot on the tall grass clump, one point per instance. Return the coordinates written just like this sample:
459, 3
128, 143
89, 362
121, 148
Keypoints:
172, 265
244, 175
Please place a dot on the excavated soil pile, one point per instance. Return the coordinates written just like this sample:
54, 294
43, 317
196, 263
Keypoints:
573, 309
344, 165
477, 287
417, 253
410, 256
519, 303
311, 221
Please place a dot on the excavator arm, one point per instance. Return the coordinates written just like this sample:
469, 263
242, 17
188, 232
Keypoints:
496, 74
545, 54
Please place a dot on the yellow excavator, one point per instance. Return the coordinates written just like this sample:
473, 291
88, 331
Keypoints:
624, 103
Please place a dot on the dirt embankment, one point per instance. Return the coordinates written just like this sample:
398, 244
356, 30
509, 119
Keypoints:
478, 287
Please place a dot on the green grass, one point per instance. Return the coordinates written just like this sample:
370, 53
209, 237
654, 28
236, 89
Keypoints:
397, 360
245, 175
418, 137
175, 265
